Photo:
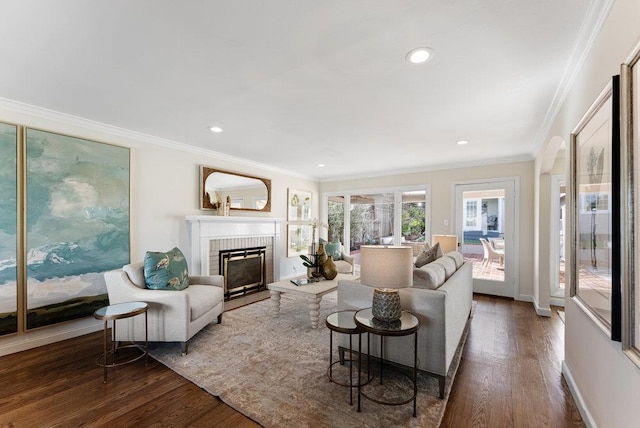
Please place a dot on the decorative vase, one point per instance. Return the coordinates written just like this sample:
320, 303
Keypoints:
321, 254
329, 270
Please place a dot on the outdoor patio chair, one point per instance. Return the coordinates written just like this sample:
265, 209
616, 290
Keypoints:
490, 253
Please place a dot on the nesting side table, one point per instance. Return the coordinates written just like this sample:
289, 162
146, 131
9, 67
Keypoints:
113, 313
342, 322
407, 324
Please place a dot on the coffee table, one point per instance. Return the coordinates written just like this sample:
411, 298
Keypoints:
311, 293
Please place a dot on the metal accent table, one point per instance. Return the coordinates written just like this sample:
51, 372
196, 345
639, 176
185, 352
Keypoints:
407, 324
342, 322
113, 313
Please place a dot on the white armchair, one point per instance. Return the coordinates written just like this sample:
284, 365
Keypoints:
345, 265
173, 316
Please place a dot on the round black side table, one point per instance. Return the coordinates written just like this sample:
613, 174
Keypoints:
342, 322
407, 324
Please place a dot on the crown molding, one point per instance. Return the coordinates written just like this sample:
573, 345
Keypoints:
430, 168
91, 125
594, 21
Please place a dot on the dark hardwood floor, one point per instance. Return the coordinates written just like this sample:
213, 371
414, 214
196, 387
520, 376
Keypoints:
509, 376
510, 371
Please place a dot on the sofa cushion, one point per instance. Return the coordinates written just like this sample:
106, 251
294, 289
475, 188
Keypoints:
166, 271
334, 249
428, 255
448, 264
203, 298
457, 257
429, 276
135, 272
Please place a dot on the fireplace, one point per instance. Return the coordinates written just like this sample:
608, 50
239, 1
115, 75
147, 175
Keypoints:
244, 271
210, 234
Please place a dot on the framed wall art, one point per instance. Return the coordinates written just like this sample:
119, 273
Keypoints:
299, 204
77, 224
595, 232
299, 239
630, 149
8, 229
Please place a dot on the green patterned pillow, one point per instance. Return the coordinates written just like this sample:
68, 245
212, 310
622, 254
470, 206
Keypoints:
334, 250
166, 271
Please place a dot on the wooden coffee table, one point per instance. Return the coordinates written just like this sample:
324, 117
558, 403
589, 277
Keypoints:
311, 293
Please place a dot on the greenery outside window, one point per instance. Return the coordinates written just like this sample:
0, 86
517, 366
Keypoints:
378, 217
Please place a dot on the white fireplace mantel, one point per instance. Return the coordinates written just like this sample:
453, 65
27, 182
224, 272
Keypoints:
204, 228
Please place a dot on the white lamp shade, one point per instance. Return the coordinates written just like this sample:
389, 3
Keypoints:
386, 266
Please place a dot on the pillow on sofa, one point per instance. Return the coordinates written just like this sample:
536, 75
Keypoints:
430, 276
334, 249
448, 264
427, 256
457, 257
166, 271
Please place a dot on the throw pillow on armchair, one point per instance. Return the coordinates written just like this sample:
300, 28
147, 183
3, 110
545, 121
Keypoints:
166, 271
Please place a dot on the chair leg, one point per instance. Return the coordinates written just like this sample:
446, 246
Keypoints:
220, 318
185, 347
441, 380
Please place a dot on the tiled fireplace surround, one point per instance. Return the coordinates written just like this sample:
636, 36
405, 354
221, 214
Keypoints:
210, 234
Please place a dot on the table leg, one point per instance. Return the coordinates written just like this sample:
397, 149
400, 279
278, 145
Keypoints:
106, 334
330, 355
415, 371
314, 311
275, 302
350, 370
146, 339
381, 354
359, 366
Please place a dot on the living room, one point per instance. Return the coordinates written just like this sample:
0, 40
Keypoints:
169, 167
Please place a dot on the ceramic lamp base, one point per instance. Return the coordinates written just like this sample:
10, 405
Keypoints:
386, 304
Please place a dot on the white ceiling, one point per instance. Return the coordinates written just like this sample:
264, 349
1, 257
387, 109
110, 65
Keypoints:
300, 82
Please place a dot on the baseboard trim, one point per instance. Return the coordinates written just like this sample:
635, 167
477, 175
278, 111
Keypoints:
577, 397
543, 312
557, 301
45, 336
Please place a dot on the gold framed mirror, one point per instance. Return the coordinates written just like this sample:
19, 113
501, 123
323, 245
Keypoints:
244, 192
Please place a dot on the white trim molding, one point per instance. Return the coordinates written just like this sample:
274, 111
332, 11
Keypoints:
577, 397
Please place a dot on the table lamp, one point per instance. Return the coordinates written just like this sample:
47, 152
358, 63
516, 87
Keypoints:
387, 268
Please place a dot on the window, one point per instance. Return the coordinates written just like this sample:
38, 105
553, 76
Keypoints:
335, 220
471, 213
380, 217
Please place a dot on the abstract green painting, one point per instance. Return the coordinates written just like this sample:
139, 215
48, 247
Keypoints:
77, 224
8, 229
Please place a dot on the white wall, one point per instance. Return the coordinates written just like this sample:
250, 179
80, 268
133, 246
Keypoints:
442, 199
164, 189
605, 383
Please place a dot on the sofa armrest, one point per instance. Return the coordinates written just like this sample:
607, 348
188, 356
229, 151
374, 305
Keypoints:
353, 295
216, 280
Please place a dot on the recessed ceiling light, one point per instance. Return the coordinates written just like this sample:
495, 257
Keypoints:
215, 129
419, 55
321, 165
462, 142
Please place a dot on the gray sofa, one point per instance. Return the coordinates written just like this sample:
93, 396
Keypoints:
441, 298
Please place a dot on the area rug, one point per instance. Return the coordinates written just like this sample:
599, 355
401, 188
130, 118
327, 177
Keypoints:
274, 370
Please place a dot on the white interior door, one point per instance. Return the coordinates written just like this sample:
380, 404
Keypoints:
485, 222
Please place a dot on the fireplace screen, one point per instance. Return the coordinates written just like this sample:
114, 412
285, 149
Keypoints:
243, 270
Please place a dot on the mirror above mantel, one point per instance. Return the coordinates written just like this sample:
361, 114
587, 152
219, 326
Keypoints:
246, 192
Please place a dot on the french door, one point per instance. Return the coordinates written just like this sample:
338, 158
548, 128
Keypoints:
485, 222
